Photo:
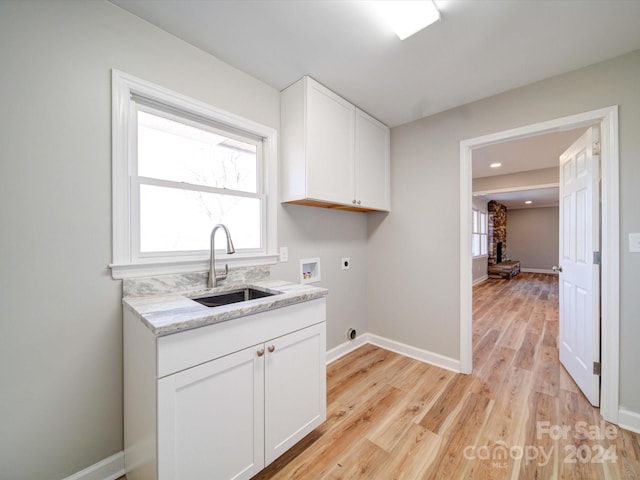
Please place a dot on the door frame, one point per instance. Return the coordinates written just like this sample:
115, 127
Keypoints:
607, 118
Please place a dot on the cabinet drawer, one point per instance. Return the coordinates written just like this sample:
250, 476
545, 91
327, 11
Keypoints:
193, 347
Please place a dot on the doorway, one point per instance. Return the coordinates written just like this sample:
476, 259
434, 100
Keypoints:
608, 120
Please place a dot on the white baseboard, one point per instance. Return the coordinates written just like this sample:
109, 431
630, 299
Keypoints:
538, 270
417, 353
629, 420
480, 280
108, 469
401, 348
346, 347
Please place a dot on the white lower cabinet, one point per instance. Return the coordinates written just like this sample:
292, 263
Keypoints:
211, 419
229, 417
295, 388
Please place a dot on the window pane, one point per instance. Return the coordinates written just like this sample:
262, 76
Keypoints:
483, 222
174, 151
475, 221
476, 245
172, 219
483, 244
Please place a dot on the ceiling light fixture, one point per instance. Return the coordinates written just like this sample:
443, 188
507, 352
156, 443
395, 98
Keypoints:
407, 17
528, 202
495, 165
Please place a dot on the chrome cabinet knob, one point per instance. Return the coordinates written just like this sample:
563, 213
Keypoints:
271, 348
260, 352
557, 269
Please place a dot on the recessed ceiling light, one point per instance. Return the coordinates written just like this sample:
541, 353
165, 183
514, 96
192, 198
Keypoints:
495, 165
407, 17
528, 202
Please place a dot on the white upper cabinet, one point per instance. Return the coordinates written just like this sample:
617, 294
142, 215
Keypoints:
333, 154
330, 123
371, 162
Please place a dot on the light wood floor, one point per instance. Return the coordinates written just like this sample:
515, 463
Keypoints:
391, 417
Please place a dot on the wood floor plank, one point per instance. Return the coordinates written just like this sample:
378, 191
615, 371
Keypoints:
447, 404
370, 459
412, 456
412, 407
350, 380
463, 432
526, 352
414, 373
547, 374
485, 346
626, 447
542, 449
493, 369
514, 334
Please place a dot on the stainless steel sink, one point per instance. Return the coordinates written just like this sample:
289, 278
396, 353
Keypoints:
234, 296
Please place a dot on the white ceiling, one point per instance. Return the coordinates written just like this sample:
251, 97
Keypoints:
539, 197
477, 49
532, 153
523, 155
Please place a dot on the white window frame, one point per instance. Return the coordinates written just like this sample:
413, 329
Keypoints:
125, 261
484, 237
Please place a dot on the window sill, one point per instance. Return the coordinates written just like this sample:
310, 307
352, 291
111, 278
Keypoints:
134, 270
479, 256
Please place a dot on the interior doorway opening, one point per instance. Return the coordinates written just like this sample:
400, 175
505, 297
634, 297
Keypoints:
607, 119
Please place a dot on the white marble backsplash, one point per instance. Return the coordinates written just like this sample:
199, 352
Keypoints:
186, 282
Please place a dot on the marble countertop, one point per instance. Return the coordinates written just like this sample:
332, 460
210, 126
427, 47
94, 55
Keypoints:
172, 313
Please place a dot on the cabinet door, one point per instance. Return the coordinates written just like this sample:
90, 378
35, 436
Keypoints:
330, 137
371, 162
211, 419
295, 388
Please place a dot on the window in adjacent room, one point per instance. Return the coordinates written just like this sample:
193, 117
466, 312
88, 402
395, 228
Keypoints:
479, 233
181, 167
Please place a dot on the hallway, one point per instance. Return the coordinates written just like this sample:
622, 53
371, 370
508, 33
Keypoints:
539, 407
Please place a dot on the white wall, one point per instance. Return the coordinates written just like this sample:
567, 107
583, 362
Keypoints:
419, 304
542, 176
60, 313
533, 236
331, 235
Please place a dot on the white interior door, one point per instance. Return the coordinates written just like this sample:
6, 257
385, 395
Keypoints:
579, 273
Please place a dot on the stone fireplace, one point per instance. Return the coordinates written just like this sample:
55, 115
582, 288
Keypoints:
497, 232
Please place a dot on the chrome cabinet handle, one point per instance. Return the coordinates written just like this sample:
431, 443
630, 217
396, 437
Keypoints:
271, 348
557, 269
260, 352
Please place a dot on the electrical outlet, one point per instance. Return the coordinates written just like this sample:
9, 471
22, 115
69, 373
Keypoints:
346, 263
634, 242
284, 254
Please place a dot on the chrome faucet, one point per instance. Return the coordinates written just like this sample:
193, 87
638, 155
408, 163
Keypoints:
213, 275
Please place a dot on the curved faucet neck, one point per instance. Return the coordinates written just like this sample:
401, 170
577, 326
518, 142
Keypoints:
213, 276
